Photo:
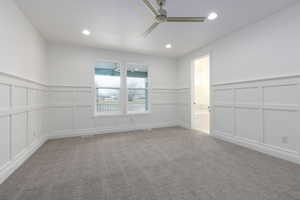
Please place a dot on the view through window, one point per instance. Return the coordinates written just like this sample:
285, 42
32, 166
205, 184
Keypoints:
137, 85
108, 83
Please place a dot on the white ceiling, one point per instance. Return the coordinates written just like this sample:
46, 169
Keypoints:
117, 24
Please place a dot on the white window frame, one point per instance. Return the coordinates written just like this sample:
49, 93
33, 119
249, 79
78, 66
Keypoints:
123, 91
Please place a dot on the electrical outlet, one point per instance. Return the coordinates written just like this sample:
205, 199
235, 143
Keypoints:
285, 140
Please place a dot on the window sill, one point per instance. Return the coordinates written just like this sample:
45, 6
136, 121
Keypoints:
120, 114
108, 114
139, 113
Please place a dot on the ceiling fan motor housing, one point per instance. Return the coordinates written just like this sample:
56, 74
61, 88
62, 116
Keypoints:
161, 3
162, 17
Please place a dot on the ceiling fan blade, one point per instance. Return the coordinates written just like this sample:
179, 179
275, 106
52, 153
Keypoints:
150, 29
151, 7
186, 19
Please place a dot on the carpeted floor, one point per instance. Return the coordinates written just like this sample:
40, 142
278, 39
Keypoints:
163, 164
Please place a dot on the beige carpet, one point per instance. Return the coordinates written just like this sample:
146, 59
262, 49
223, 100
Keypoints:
163, 164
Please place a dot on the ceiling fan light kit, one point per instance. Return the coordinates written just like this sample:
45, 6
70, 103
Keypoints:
161, 16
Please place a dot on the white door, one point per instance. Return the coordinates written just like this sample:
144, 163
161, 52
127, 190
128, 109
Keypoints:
200, 94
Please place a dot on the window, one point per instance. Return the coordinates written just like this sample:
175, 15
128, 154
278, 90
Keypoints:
118, 88
137, 88
108, 83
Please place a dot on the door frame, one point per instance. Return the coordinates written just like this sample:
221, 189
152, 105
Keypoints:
192, 90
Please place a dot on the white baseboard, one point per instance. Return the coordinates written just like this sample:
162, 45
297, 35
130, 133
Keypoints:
263, 148
14, 164
96, 131
184, 125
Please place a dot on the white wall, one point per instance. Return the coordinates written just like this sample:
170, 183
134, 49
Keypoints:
22, 96
71, 71
267, 48
22, 49
245, 112
74, 65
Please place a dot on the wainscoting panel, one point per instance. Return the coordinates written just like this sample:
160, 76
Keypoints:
61, 118
183, 107
58, 97
4, 142
163, 96
223, 120
36, 127
18, 133
37, 97
281, 95
83, 98
247, 96
223, 96
262, 114
109, 121
248, 123
4, 96
83, 117
19, 97
281, 129
22, 107
71, 113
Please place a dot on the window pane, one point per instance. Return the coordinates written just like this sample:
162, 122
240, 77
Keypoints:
107, 74
137, 76
107, 81
108, 100
137, 84
137, 100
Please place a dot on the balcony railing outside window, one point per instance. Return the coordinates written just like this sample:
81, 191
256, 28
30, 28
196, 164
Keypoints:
108, 100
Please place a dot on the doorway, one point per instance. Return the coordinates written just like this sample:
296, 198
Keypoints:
200, 94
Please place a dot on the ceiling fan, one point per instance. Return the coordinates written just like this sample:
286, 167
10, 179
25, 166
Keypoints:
160, 16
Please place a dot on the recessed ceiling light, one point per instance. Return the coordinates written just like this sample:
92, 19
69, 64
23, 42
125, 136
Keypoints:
168, 46
86, 32
212, 16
